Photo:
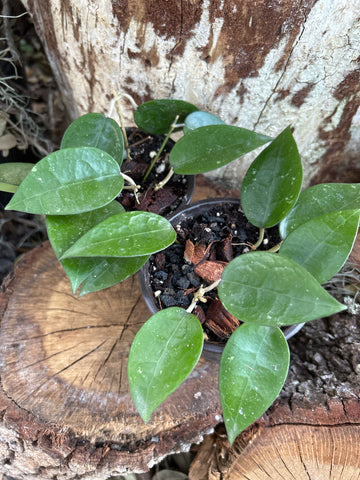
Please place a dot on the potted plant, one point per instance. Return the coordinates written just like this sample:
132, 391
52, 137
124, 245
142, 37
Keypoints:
100, 244
96, 241
265, 290
77, 188
210, 233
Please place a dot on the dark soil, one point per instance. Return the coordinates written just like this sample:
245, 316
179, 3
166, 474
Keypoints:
143, 148
205, 244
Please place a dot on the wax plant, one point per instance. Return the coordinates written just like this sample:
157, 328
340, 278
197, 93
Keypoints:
99, 244
96, 241
265, 290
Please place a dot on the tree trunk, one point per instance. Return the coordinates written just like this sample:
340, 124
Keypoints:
261, 65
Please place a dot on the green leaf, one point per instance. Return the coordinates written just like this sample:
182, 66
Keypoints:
157, 116
128, 234
210, 147
318, 200
12, 174
272, 183
95, 130
323, 244
164, 352
64, 230
264, 288
253, 370
110, 271
69, 181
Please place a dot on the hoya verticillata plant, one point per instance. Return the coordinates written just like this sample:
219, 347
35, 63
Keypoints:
96, 241
264, 290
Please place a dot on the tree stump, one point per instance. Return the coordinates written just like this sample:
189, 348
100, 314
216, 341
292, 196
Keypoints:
261, 65
312, 431
65, 404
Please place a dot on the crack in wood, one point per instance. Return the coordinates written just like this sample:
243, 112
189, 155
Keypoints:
13, 401
68, 330
41, 360
315, 425
177, 44
279, 456
301, 459
39, 387
283, 72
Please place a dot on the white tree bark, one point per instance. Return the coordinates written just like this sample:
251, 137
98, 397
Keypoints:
262, 65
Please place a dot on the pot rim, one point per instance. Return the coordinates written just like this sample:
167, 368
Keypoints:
144, 274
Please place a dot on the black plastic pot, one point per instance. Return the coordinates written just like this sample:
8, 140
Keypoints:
193, 210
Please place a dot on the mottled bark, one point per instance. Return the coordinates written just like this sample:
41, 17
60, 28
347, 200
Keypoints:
262, 65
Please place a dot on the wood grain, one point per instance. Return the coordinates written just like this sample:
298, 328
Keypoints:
291, 452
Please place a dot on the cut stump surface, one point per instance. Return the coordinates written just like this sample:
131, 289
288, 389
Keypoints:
64, 387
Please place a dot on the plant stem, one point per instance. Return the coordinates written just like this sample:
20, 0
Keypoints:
275, 248
132, 186
139, 142
172, 127
7, 187
260, 240
165, 180
199, 295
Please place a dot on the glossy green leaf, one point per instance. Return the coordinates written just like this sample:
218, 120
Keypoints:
12, 174
273, 181
200, 119
110, 271
157, 116
323, 244
164, 352
95, 130
69, 181
64, 230
128, 234
253, 370
264, 288
318, 200
210, 147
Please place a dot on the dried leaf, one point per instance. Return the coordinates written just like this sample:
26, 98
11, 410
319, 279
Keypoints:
210, 271
219, 320
226, 250
196, 253
199, 313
